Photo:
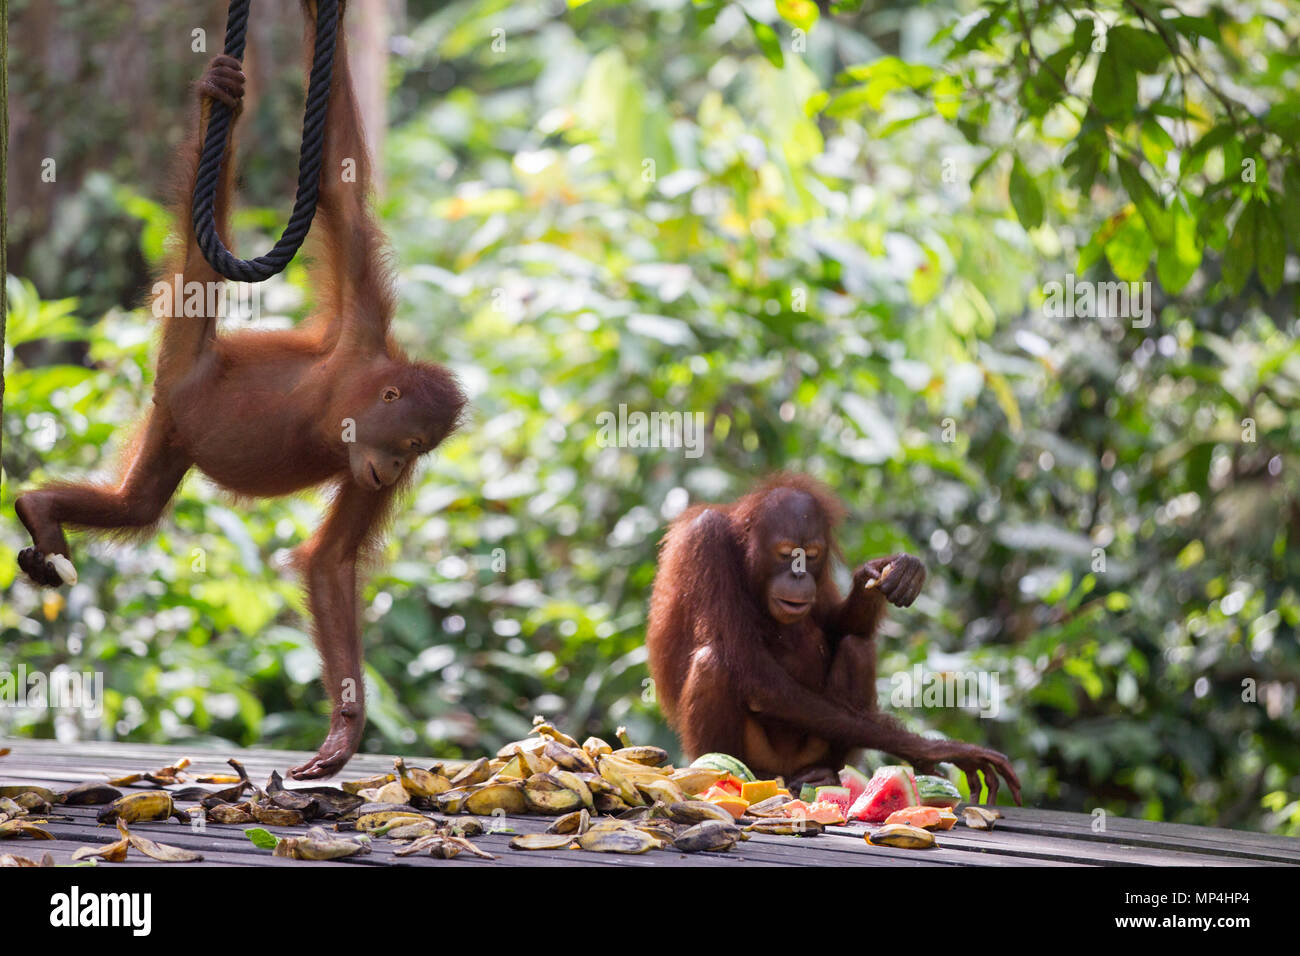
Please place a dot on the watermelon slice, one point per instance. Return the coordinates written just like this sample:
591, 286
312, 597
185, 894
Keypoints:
730, 783
730, 764
937, 791
890, 789
855, 780
836, 795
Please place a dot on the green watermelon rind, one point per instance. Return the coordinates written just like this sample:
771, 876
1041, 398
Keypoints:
937, 791
726, 763
855, 775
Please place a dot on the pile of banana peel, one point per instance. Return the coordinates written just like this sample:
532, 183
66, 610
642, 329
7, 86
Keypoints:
18, 820
24, 814
603, 799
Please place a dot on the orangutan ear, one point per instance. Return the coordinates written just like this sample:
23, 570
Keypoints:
392, 393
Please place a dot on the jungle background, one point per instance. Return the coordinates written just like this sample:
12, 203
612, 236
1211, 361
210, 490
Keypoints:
829, 228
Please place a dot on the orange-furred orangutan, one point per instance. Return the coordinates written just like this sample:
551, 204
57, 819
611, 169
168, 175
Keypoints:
264, 413
754, 652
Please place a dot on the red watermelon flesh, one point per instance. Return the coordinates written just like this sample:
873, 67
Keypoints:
890, 789
839, 796
855, 780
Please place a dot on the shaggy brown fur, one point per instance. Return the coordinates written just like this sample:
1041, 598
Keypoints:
333, 402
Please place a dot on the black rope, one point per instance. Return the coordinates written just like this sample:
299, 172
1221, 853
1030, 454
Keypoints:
309, 157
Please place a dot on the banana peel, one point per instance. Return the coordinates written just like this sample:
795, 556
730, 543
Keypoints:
143, 805
24, 826
16, 791
542, 841
901, 835
320, 845
369, 783
507, 797
156, 851
544, 729
648, 756
89, 794
420, 783
609, 840
110, 852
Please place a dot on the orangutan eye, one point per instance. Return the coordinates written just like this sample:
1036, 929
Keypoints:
392, 393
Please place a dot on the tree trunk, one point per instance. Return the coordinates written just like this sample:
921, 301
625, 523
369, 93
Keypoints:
369, 51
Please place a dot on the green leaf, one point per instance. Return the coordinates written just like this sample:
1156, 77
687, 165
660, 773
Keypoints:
1156, 143
973, 122
1193, 553
706, 11
1025, 196
947, 93
262, 839
985, 29
1114, 90
1196, 26
1045, 87
1178, 259
1239, 257
1270, 248
1212, 222
1194, 158
1084, 31
802, 13
1142, 48
768, 42
882, 77
1006, 398
1148, 204
1117, 602
1130, 249
1086, 160
983, 167
1290, 205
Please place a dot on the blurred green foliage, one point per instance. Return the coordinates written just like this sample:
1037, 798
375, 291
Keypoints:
837, 244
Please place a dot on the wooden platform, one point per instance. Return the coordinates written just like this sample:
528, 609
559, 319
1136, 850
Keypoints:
1026, 837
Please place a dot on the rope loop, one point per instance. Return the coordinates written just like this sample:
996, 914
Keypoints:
309, 156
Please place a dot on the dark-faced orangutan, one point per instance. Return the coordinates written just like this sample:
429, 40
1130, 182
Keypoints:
264, 413
755, 654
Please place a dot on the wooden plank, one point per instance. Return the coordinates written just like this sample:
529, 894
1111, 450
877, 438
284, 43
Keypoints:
1082, 822
1045, 839
1211, 845
151, 756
